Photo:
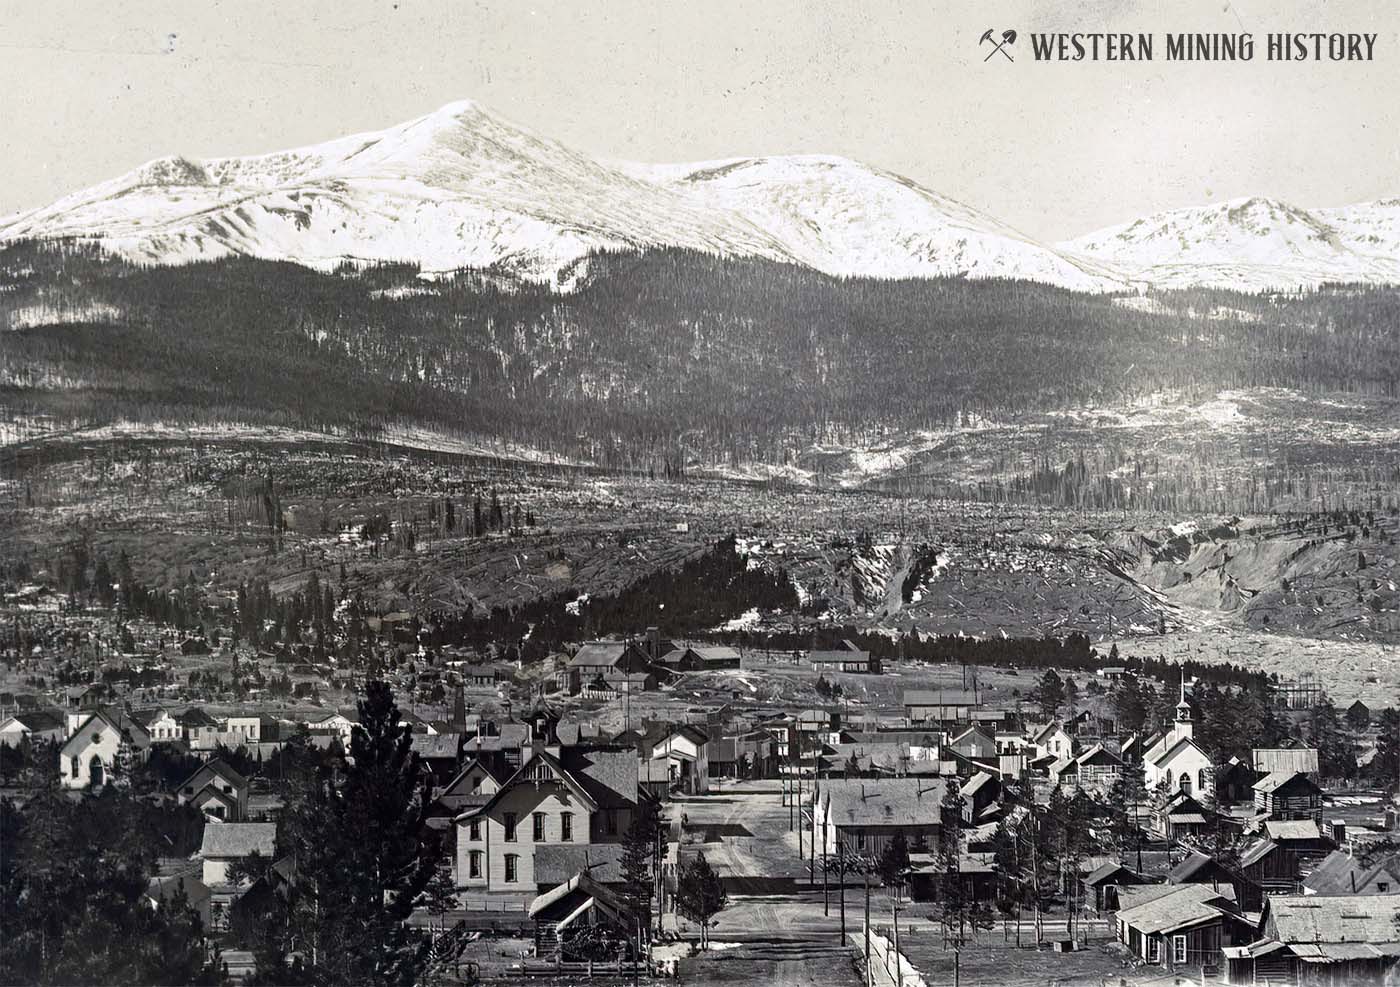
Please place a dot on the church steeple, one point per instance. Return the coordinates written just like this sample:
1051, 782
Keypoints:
1184, 726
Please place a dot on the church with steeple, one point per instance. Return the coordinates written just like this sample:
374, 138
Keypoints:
1174, 760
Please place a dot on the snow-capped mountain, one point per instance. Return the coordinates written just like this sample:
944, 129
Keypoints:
462, 188
1251, 244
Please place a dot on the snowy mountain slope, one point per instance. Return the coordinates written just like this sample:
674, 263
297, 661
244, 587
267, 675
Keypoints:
459, 187
1251, 244
848, 219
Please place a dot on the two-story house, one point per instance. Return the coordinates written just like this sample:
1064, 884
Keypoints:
684, 750
216, 790
571, 796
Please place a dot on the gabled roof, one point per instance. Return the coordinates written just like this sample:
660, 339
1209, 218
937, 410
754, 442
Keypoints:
1278, 780
1196, 864
221, 768
601, 779
1099, 754
195, 717
210, 790
973, 733
1183, 906
1170, 753
1106, 870
596, 653
1341, 873
163, 888
584, 884
227, 840
113, 719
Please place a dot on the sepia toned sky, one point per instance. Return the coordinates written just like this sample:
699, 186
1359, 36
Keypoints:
92, 89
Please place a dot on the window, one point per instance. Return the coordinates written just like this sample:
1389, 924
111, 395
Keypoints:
566, 826
1185, 783
1383, 887
537, 827
510, 827
474, 864
73, 766
1154, 950
1178, 949
512, 868
475, 833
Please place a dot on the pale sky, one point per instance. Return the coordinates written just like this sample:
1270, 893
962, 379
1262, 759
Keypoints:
93, 89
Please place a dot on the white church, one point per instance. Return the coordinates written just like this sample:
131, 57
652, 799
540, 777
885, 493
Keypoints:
1175, 758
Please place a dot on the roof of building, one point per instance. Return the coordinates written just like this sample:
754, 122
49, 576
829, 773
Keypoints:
834, 657
976, 783
39, 720
1292, 829
557, 862
597, 653
117, 719
1300, 759
884, 801
1099, 754
221, 768
435, 745
227, 840
1275, 780
1342, 873
940, 697
583, 884
1329, 919
1105, 870
162, 888
1181, 906
1193, 865
195, 717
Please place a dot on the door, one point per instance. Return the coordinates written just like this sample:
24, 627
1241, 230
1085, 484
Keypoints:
95, 772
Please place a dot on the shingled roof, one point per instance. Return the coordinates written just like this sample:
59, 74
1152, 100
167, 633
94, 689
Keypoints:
884, 801
1371, 919
227, 840
1185, 905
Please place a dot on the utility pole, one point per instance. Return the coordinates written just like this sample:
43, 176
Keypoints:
841, 857
826, 884
869, 970
898, 956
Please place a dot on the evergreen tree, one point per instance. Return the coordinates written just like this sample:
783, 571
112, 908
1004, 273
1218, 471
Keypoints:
1049, 694
700, 895
363, 854
638, 854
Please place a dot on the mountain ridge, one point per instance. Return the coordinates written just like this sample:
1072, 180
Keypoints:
460, 188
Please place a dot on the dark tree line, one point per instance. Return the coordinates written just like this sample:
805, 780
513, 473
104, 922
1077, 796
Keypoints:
657, 358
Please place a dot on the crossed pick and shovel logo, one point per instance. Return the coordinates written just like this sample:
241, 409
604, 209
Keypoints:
1007, 38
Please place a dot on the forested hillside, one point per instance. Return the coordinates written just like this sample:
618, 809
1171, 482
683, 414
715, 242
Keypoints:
657, 355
